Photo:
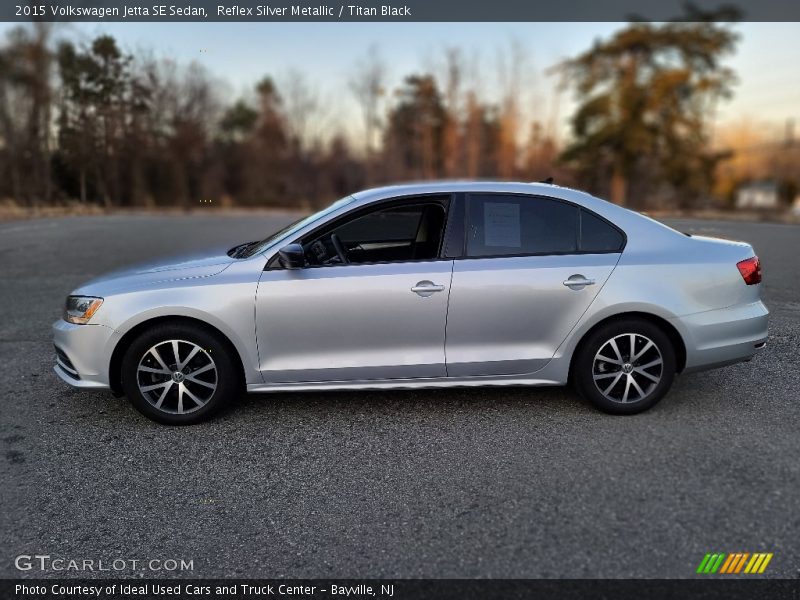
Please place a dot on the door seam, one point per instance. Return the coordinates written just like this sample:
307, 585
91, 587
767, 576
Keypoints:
446, 315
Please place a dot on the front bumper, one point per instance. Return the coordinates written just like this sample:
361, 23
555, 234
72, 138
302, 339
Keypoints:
83, 353
715, 338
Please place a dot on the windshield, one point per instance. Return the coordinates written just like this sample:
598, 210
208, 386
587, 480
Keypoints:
258, 247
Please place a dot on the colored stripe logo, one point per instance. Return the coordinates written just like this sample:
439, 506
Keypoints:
734, 563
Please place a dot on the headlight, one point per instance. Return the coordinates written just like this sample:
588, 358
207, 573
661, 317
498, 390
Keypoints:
79, 309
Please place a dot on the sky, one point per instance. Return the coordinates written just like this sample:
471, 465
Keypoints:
239, 54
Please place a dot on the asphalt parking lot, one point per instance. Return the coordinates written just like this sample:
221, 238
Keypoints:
444, 483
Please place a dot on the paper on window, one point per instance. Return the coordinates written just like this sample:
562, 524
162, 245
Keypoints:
501, 224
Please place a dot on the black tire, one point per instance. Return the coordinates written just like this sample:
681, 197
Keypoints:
224, 375
615, 389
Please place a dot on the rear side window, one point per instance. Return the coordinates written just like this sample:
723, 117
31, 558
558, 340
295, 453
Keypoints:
599, 236
509, 225
506, 225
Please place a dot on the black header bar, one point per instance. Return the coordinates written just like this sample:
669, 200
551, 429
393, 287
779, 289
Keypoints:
382, 10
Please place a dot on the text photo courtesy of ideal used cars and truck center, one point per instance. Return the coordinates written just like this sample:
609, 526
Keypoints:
400, 300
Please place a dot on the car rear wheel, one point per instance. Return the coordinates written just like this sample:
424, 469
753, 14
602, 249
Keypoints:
625, 366
178, 374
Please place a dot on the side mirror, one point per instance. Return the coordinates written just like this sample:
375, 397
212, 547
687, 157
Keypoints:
292, 257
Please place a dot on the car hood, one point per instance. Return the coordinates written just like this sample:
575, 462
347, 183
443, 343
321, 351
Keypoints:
183, 267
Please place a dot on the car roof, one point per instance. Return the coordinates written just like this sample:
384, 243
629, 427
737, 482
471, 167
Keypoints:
508, 187
454, 185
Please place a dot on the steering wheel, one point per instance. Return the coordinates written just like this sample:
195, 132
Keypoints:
339, 247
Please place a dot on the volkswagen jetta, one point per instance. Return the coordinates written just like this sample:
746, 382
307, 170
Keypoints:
427, 285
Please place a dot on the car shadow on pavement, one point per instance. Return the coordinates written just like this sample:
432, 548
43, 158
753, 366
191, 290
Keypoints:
475, 400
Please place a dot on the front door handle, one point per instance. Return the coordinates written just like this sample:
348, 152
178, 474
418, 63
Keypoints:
426, 288
577, 282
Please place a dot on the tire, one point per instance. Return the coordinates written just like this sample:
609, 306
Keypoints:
607, 383
207, 381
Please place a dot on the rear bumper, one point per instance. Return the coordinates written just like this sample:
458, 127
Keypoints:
82, 354
715, 338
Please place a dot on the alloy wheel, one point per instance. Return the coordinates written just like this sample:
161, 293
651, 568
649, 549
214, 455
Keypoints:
627, 368
177, 377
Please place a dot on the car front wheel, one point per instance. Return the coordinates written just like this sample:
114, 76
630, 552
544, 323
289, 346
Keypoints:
625, 366
178, 374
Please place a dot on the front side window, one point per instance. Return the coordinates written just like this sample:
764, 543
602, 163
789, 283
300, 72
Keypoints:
506, 225
392, 234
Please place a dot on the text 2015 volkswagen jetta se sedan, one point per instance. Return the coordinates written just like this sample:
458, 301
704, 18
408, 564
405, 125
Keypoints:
429, 285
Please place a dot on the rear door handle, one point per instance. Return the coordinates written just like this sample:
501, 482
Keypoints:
576, 282
426, 288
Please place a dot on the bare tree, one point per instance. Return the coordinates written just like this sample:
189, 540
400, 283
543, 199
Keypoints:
453, 78
26, 93
368, 86
510, 69
474, 129
183, 114
305, 111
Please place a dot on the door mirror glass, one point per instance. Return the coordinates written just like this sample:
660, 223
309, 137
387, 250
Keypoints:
292, 256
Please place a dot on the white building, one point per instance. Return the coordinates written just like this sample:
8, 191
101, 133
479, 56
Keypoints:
796, 205
758, 194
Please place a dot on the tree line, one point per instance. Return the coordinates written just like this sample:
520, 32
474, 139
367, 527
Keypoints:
95, 124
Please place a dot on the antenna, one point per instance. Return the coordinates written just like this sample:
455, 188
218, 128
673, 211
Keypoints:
548, 181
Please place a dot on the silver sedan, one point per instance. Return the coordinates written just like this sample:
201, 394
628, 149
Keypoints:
428, 285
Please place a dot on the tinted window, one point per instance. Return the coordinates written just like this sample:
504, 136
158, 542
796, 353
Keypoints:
400, 233
501, 225
383, 226
599, 236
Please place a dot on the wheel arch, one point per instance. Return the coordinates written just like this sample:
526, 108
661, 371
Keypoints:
115, 363
668, 328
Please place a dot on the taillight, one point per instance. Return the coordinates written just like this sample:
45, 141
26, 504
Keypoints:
750, 270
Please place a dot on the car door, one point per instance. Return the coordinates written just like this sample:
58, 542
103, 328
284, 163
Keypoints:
380, 316
526, 277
